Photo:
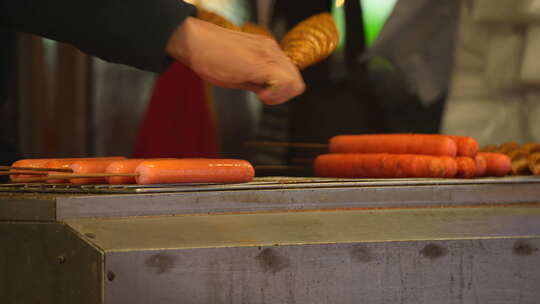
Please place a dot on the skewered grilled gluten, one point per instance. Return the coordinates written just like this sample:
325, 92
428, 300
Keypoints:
252, 28
311, 41
534, 163
520, 164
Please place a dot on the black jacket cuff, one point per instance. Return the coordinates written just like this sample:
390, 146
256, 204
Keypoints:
131, 32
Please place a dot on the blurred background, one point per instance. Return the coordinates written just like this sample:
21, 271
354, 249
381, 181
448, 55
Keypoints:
391, 73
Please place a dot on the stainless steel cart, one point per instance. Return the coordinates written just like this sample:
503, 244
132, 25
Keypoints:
275, 240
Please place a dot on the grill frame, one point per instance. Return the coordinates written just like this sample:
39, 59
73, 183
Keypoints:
262, 183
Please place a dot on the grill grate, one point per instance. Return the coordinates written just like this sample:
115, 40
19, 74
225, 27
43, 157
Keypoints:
262, 183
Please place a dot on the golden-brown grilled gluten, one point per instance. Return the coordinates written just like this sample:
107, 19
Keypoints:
311, 41
520, 162
534, 163
489, 148
531, 147
508, 147
216, 19
252, 28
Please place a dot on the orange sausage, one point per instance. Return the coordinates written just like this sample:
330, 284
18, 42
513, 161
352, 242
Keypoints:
466, 145
481, 165
384, 166
394, 143
497, 164
466, 167
66, 164
194, 170
450, 165
28, 163
90, 166
122, 166
42, 163
125, 166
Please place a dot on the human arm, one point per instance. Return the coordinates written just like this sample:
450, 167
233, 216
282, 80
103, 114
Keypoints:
131, 32
143, 33
234, 59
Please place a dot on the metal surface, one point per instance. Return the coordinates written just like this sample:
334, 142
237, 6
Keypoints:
420, 256
292, 199
30, 207
310, 227
262, 184
279, 241
272, 195
442, 272
48, 263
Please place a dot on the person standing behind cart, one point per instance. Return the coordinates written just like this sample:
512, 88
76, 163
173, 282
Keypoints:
495, 89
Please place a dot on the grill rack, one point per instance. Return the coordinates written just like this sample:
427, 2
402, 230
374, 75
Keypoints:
261, 183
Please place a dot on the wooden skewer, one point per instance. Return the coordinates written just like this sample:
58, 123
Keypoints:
281, 167
35, 169
304, 161
88, 175
22, 172
285, 144
45, 176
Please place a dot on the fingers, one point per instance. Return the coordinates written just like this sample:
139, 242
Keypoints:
236, 60
281, 91
281, 78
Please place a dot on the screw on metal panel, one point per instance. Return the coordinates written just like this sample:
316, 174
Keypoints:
110, 275
90, 235
61, 259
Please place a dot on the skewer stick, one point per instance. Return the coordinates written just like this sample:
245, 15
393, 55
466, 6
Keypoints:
35, 169
304, 161
45, 176
285, 144
281, 167
87, 175
22, 172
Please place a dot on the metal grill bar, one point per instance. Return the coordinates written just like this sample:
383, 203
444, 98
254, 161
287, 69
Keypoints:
265, 183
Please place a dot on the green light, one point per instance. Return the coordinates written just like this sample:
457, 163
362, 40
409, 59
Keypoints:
338, 14
375, 13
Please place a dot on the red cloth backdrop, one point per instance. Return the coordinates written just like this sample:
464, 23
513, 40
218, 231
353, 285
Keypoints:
179, 121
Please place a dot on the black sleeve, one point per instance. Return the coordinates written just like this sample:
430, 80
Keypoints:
132, 32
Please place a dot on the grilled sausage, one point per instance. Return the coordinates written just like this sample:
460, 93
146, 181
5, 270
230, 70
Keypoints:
384, 166
497, 164
423, 144
194, 170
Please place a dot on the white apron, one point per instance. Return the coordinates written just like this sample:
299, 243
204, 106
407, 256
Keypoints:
495, 87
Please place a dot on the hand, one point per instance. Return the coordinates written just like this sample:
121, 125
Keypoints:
236, 60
